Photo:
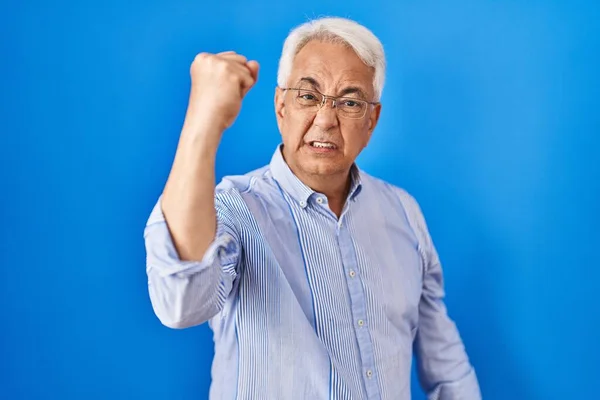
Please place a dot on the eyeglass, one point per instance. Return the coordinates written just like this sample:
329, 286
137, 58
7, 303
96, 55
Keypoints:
346, 107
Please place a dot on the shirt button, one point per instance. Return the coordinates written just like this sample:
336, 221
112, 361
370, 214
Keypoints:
320, 200
352, 274
361, 322
302, 203
369, 374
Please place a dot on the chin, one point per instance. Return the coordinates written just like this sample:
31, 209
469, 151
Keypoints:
322, 167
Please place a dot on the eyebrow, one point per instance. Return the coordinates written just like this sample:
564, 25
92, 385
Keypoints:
353, 89
311, 81
346, 91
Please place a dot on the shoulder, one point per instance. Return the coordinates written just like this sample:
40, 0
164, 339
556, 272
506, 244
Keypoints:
390, 191
234, 187
401, 198
398, 197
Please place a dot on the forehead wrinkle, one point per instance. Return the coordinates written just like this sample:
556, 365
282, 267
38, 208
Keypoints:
336, 62
343, 88
315, 72
351, 86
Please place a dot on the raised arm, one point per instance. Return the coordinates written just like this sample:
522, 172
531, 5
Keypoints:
191, 240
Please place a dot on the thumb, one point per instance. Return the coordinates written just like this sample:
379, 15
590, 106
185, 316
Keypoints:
253, 67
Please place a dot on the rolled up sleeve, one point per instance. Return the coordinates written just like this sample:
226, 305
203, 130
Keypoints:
189, 293
462, 389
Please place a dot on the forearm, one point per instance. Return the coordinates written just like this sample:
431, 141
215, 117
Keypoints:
192, 241
188, 196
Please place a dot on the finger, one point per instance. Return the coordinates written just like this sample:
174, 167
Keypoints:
234, 57
253, 66
244, 75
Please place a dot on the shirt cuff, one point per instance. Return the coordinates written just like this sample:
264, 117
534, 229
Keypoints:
467, 388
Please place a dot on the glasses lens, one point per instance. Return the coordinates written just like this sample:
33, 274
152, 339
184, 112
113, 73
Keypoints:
308, 98
352, 108
346, 107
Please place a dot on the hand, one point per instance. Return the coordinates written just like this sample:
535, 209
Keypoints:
219, 83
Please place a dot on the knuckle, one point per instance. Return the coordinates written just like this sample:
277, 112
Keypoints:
200, 56
223, 67
199, 59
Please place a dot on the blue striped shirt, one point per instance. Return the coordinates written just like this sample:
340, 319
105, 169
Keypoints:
304, 305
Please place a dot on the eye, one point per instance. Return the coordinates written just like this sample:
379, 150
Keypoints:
307, 96
351, 103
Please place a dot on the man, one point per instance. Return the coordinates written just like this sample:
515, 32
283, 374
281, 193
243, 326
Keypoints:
317, 279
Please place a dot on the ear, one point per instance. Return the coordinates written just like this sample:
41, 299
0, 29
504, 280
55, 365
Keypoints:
279, 106
374, 118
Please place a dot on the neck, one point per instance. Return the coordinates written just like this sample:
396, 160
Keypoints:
334, 187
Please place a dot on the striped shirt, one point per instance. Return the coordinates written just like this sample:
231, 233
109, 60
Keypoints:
304, 305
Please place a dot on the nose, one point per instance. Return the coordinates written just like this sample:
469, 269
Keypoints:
326, 117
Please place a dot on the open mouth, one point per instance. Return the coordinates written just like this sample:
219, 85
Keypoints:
323, 145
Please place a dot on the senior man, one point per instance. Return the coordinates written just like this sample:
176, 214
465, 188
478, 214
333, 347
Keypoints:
318, 280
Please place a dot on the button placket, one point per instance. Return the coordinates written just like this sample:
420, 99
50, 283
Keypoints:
358, 300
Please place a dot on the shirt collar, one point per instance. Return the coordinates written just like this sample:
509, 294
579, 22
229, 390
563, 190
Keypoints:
296, 188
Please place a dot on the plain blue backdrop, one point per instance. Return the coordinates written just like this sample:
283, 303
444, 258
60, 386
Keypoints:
490, 119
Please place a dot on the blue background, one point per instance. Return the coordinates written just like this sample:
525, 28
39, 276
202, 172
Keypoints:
490, 119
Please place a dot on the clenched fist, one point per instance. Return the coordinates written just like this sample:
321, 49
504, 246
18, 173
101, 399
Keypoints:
219, 83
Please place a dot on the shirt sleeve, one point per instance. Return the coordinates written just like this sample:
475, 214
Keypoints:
443, 366
189, 293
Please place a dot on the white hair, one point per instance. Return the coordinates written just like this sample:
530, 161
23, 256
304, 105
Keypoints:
335, 30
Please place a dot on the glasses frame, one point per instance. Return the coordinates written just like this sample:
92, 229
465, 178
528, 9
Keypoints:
334, 101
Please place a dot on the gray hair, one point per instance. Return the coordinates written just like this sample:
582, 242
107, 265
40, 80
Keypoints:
335, 30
